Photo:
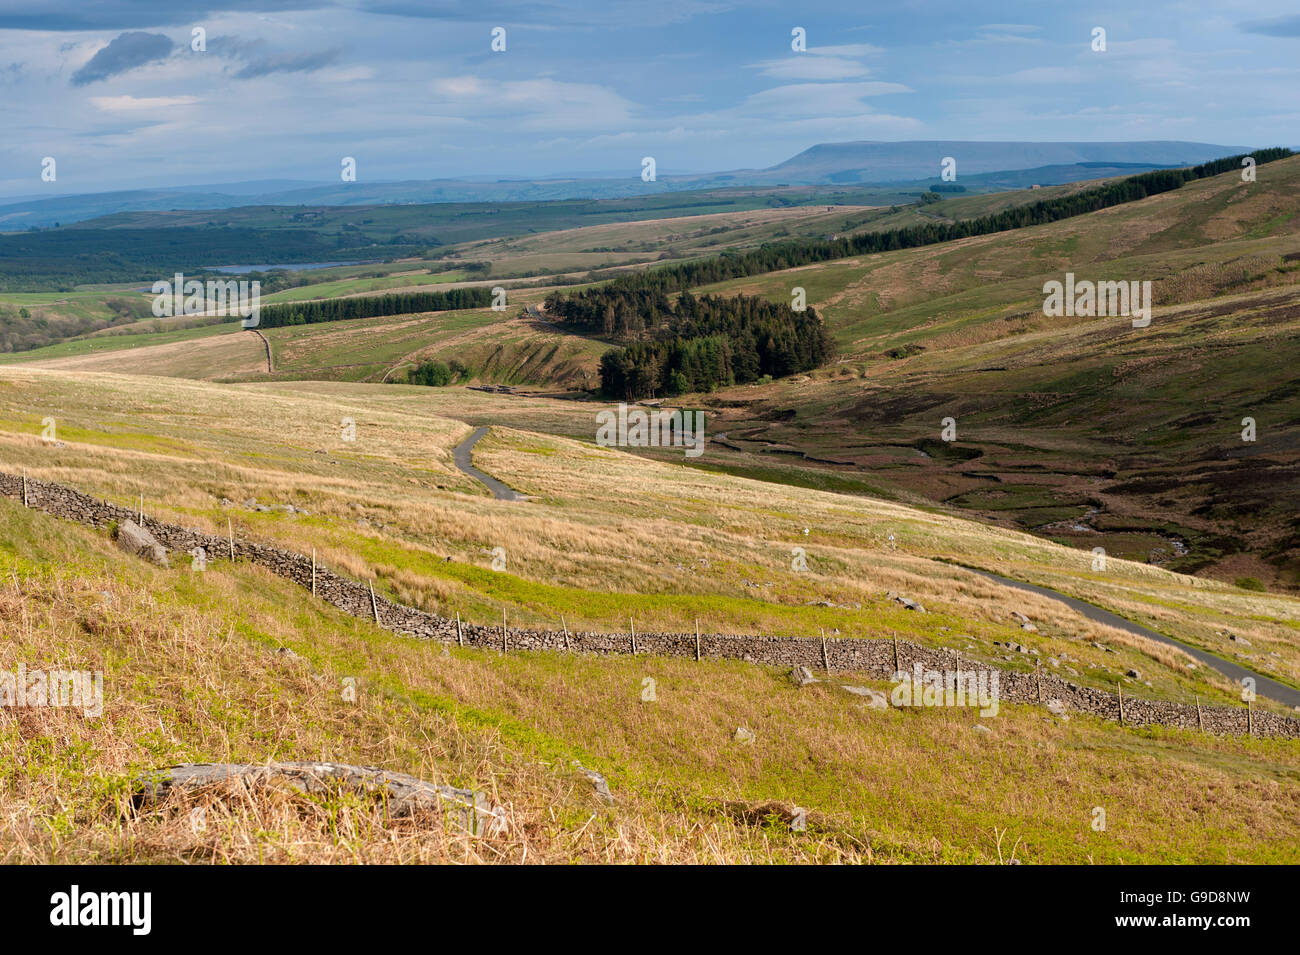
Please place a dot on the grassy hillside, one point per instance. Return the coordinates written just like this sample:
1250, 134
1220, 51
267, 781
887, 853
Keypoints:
1133, 435
606, 533
1084, 430
193, 673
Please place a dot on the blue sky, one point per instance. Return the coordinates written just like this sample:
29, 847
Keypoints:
114, 92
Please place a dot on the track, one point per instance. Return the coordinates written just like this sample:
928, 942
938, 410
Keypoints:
464, 461
1263, 685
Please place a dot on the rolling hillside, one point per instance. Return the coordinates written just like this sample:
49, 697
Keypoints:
1085, 429
604, 535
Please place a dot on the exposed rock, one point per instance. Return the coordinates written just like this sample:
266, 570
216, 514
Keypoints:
1057, 708
1241, 640
598, 783
983, 729
802, 676
1134, 674
743, 735
875, 699
466, 810
134, 539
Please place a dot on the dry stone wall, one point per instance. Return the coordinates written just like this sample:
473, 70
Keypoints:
876, 658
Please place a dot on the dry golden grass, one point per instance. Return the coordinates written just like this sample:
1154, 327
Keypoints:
192, 674
607, 534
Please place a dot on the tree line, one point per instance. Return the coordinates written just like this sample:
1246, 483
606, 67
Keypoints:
401, 303
774, 257
699, 344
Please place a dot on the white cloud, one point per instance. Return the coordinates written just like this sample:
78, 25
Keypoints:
541, 104
804, 100
124, 104
800, 66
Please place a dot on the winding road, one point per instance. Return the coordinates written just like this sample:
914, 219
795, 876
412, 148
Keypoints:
1264, 686
465, 462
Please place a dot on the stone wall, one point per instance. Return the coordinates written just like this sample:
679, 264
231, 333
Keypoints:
875, 658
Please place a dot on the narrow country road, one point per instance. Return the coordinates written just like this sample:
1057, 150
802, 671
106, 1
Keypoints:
1264, 686
463, 461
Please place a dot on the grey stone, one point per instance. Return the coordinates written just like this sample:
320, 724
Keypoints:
743, 735
465, 810
598, 782
875, 699
134, 539
802, 676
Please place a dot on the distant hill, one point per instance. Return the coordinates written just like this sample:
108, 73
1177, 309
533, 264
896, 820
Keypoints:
907, 161
981, 166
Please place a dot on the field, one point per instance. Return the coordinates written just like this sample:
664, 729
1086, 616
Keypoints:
822, 499
605, 535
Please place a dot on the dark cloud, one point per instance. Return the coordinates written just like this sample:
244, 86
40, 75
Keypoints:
125, 52
287, 63
1278, 26
72, 15
259, 59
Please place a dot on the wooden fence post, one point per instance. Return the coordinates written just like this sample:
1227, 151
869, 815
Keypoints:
826, 664
632, 624
1249, 730
1120, 687
24, 487
1199, 725
230, 535
1038, 675
566, 631
313, 574
460, 637
505, 639
697, 639
374, 605
895, 636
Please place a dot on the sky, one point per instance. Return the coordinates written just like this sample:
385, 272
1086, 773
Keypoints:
114, 91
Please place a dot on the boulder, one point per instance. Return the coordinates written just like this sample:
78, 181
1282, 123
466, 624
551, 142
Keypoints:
802, 676
464, 809
875, 699
134, 539
743, 735
598, 783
